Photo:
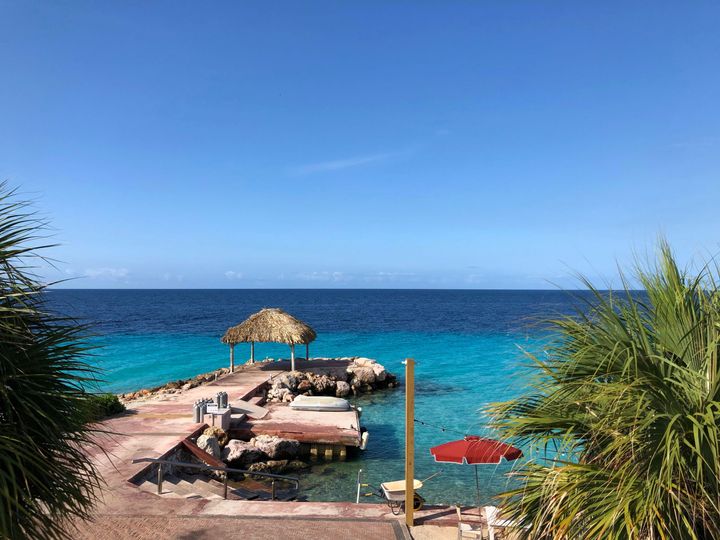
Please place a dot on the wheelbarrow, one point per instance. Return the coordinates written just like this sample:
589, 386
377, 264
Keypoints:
394, 493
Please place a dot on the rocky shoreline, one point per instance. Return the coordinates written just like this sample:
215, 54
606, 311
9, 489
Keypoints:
363, 375
175, 387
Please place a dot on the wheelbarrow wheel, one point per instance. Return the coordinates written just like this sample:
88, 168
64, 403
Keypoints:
418, 502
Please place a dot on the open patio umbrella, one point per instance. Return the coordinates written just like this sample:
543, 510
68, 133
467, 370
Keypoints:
474, 450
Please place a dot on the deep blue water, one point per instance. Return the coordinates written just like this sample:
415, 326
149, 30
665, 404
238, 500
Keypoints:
467, 345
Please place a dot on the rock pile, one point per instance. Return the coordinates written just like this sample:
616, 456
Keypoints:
264, 453
363, 375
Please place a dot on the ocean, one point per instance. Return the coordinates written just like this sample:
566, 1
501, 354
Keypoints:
469, 348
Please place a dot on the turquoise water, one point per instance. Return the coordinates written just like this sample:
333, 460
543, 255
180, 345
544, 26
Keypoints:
466, 345
456, 377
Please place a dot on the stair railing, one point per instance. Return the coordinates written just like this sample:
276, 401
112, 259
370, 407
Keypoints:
224, 470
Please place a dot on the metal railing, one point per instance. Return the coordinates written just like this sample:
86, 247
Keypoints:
225, 470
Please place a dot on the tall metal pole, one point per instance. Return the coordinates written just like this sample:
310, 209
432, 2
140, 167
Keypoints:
409, 440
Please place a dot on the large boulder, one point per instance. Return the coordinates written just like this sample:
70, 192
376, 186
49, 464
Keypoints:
379, 371
271, 466
278, 394
287, 380
342, 389
364, 362
216, 431
296, 465
361, 376
304, 387
324, 385
241, 453
275, 447
209, 443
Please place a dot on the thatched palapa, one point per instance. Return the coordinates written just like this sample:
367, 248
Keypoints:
269, 325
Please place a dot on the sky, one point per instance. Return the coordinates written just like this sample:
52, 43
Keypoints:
392, 144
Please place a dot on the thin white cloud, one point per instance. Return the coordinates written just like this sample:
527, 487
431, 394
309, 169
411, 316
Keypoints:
107, 273
341, 164
322, 276
389, 276
700, 142
232, 274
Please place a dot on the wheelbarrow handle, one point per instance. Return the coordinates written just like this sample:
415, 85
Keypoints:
431, 476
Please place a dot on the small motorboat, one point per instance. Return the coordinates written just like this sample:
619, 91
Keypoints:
319, 403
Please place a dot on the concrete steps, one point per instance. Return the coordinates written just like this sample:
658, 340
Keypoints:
202, 487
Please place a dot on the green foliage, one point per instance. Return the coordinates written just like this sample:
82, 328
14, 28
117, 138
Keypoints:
101, 406
623, 418
45, 477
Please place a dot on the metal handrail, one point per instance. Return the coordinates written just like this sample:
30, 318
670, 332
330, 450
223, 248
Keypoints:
225, 470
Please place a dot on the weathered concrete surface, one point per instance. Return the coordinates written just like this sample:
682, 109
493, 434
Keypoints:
143, 527
327, 427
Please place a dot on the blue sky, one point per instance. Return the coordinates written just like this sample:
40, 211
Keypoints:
362, 144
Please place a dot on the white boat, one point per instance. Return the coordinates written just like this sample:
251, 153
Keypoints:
319, 403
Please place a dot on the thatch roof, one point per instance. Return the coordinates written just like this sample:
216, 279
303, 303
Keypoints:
270, 325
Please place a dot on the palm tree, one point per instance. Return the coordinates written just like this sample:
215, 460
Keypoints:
46, 480
622, 417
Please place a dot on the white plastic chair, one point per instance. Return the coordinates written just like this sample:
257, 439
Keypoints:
465, 530
495, 522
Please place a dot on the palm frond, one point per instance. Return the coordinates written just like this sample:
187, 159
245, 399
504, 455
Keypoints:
46, 478
623, 418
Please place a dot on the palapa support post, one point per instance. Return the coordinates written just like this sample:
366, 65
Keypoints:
292, 357
252, 352
409, 441
232, 358
307, 351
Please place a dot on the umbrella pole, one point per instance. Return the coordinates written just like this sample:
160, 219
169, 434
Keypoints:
477, 491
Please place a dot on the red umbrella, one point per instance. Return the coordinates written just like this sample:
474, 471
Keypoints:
474, 450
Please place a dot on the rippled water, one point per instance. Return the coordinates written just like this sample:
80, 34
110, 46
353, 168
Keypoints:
467, 345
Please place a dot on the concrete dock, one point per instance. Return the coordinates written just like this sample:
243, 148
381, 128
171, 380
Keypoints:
149, 429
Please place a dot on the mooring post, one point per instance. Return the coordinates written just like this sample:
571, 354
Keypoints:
357, 498
409, 440
273, 490
160, 478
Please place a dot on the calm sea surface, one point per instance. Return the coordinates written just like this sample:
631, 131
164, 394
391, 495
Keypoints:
467, 344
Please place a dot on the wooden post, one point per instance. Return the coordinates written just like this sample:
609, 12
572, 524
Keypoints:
409, 440
252, 352
292, 357
307, 351
232, 358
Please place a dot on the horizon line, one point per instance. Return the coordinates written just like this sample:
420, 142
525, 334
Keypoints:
321, 289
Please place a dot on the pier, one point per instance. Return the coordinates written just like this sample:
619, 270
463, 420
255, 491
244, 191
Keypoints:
154, 427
